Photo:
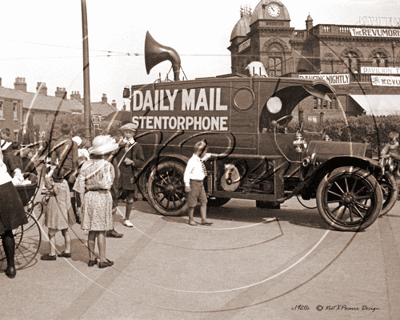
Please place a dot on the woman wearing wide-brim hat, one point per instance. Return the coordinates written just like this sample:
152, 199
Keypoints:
93, 184
129, 158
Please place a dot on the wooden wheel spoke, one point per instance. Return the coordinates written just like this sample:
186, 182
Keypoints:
362, 189
334, 193
357, 211
366, 197
346, 184
339, 187
160, 185
341, 212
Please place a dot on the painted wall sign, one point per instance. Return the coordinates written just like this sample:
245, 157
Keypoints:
375, 32
193, 109
244, 45
380, 21
332, 79
380, 70
385, 81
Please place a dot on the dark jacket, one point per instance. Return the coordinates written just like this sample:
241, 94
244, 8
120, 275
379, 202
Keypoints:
128, 173
66, 151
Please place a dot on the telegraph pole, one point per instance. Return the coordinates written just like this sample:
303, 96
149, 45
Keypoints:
86, 75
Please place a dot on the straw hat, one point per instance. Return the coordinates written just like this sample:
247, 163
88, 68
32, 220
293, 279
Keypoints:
103, 145
78, 140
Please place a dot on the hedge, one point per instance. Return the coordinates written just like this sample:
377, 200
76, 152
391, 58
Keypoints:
371, 129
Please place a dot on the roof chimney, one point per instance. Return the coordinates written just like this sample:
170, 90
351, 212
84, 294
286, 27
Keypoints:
60, 92
0, 82
104, 98
76, 95
41, 88
20, 84
124, 107
114, 104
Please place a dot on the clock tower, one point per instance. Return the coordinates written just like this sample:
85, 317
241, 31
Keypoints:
267, 39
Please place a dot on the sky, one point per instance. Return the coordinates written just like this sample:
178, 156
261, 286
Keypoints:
41, 40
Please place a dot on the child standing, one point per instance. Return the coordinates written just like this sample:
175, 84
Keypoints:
59, 215
195, 173
93, 184
393, 145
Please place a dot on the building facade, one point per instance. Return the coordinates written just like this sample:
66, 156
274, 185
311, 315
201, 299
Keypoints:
362, 62
18, 106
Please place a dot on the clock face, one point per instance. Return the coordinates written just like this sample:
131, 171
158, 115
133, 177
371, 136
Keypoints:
274, 10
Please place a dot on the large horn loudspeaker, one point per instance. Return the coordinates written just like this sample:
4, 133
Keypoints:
155, 53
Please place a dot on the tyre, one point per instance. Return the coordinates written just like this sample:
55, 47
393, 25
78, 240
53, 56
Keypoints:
27, 244
390, 192
267, 205
348, 199
217, 202
166, 189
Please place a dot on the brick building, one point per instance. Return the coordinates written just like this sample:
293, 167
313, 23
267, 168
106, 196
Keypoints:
362, 62
16, 104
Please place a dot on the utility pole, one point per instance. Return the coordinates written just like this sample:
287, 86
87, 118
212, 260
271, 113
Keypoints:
86, 75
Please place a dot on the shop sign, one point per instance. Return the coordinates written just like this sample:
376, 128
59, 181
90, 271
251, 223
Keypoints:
374, 32
244, 45
385, 81
380, 70
332, 79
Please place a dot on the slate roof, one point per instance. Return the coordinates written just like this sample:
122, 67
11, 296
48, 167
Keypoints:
42, 102
102, 108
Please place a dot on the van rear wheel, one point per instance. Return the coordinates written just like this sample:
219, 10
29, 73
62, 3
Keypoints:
166, 189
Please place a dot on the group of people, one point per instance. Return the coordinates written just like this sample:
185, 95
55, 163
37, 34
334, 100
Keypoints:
99, 177
98, 182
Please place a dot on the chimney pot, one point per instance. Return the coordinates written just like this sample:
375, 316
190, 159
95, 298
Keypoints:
20, 84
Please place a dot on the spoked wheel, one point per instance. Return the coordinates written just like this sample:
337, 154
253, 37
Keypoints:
390, 191
348, 199
27, 244
166, 188
35, 213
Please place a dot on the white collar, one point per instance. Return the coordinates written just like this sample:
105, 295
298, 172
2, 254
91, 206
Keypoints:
132, 141
5, 144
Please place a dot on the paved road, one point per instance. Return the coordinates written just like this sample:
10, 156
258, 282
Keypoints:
250, 264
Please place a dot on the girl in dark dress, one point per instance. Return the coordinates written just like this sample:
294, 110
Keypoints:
12, 215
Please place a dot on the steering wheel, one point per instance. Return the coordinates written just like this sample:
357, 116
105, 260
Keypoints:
288, 118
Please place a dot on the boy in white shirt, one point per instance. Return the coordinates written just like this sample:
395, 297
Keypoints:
195, 173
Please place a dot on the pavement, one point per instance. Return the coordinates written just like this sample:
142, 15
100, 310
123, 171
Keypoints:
251, 263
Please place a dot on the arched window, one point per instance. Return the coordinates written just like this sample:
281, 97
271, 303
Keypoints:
353, 61
380, 60
275, 61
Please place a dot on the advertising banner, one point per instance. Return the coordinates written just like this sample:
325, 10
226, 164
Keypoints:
380, 70
374, 32
332, 79
385, 81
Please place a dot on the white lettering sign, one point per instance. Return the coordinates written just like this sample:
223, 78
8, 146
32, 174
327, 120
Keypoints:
202, 99
375, 32
380, 21
332, 79
181, 123
380, 70
385, 81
